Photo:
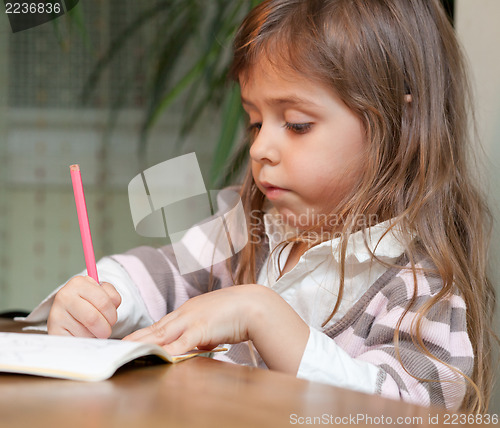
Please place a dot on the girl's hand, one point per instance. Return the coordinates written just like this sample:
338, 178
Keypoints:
84, 308
233, 315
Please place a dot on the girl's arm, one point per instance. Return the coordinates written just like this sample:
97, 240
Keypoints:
234, 315
148, 281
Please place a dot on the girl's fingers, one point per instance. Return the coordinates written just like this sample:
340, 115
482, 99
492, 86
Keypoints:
188, 340
86, 288
115, 297
84, 308
63, 324
75, 328
197, 324
98, 297
161, 332
175, 336
87, 314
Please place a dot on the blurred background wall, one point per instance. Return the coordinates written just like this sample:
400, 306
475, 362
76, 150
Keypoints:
477, 26
45, 127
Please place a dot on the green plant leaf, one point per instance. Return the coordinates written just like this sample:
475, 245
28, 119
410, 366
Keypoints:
171, 95
232, 115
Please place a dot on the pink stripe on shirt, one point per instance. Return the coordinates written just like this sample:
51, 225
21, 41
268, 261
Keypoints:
152, 297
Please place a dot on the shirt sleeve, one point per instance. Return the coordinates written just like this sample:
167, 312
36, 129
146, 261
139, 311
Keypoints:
431, 376
426, 377
427, 367
324, 361
132, 312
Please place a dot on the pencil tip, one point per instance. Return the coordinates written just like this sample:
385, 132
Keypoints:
75, 167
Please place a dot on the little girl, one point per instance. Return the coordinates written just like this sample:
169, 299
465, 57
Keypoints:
366, 261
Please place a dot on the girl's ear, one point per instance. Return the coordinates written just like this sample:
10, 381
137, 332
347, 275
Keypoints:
408, 98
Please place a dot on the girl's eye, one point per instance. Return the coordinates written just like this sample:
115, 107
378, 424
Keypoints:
254, 129
298, 128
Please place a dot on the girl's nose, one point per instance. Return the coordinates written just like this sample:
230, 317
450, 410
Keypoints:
264, 148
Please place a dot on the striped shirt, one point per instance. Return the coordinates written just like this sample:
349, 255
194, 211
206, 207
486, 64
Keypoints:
357, 349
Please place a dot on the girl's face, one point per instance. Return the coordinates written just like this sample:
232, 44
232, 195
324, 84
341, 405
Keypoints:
307, 145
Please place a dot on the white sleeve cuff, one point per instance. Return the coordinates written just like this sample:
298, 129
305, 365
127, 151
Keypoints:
325, 361
132, 312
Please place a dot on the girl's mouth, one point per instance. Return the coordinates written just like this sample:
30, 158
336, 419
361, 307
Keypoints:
273, 192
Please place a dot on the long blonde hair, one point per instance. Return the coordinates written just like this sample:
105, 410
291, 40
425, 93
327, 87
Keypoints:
417, 170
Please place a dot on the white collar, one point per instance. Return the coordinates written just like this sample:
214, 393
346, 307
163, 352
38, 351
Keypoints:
388, 246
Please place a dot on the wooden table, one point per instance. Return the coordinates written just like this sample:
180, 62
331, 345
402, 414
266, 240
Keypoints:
196, 393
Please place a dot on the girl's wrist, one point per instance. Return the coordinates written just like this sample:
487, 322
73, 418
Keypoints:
278, 333
259, 306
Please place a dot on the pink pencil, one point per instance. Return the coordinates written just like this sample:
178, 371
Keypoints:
83, 219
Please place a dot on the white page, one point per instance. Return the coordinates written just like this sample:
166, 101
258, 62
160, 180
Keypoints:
70, 357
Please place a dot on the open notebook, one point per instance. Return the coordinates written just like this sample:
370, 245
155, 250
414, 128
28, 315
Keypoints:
75, 358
